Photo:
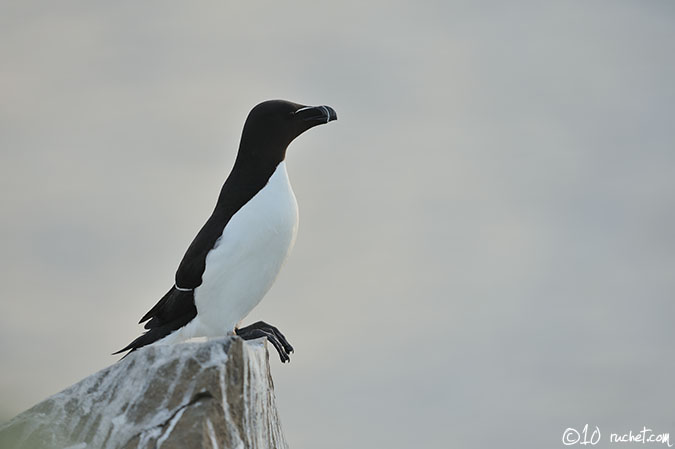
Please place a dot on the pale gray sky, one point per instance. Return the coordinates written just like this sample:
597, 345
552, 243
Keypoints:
486, 252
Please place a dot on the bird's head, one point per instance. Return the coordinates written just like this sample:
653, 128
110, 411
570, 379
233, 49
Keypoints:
272, 125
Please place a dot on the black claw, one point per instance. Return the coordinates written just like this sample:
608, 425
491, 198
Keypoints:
273, 335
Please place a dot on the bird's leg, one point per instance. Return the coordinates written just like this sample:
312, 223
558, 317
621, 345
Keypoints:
262, 329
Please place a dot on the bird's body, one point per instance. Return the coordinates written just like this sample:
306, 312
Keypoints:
245, 260
236, 256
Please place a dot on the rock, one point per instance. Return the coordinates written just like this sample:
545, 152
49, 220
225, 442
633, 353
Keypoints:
193, 395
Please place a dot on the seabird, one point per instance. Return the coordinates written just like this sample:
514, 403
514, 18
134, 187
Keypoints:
236, 256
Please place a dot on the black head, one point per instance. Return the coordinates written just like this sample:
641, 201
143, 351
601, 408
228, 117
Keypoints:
272, 125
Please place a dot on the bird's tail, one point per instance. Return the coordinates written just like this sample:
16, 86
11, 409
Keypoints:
147, 338
172, 312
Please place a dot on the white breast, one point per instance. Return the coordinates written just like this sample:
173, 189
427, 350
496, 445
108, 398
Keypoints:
247, 257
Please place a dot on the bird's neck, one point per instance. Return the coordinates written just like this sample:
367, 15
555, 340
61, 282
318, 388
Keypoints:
250, 173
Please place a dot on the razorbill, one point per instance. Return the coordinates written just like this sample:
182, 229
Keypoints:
236, 256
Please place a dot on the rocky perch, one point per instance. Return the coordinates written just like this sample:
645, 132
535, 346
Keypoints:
217, 394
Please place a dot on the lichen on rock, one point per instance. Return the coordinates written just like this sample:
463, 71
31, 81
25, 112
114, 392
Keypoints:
217, 394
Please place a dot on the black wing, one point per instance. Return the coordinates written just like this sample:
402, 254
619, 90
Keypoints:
177, 307
191, 268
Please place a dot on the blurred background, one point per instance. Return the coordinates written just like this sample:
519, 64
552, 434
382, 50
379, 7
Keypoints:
486, 252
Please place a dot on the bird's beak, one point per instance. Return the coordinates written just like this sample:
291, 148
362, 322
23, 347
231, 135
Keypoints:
316, 114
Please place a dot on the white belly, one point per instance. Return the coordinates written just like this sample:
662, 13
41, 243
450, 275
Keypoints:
247, 258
